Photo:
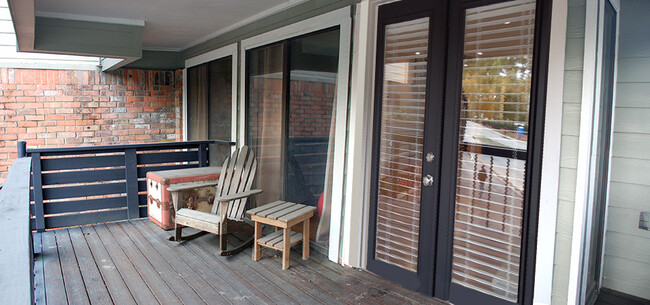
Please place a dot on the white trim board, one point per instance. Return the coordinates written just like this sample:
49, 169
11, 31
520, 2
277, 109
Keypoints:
357, 191
340, 18
548, 201
584, 149
229, 50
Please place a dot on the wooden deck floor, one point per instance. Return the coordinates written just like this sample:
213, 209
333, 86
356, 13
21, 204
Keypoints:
132, 262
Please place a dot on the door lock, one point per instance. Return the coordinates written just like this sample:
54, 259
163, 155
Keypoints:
430, 157
427, 180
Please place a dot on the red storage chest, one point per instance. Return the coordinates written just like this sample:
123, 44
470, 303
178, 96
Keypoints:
159, 204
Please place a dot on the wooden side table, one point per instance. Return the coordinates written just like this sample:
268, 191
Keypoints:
281, 214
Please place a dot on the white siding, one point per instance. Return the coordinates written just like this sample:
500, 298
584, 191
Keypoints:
9, 58
627, 262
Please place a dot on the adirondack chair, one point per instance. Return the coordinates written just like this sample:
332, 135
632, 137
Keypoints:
233, 191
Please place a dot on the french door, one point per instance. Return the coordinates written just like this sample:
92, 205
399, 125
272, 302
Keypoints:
457, 130
407, 134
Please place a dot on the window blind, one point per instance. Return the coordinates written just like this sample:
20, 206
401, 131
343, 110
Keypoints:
402, 136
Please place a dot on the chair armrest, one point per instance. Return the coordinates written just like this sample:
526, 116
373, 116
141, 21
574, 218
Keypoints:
232, 197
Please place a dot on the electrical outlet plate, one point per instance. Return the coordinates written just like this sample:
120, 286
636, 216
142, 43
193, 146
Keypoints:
644, 221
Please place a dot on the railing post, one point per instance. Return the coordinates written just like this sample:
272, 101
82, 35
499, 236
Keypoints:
39, 210
203, 155
131, 167
22, 149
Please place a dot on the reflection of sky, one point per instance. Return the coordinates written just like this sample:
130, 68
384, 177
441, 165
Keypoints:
480, 134
303, 75
513, 170
396, 72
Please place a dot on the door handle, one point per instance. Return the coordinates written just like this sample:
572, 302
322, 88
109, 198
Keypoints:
427, 180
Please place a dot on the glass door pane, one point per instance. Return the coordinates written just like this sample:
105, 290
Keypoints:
264, 119
401, 140
489, 205
220, 109
209, 106
198, 91
313, 66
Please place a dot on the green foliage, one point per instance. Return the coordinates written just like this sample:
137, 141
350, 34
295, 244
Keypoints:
497, 88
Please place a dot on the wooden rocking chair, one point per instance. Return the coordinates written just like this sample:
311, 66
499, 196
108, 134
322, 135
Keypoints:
233, 190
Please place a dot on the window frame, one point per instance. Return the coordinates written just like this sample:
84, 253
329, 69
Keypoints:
229, 50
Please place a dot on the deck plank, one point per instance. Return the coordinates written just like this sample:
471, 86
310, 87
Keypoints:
136, 285
374, 282
208, 244
154, 279
334, 282
54, 289
296, 280
115, 284
185, 292
193, 276
280, 282
39, 275
92, 279
72, 280
232, 278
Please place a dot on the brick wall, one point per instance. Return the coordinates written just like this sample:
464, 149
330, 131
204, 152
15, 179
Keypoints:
55, 108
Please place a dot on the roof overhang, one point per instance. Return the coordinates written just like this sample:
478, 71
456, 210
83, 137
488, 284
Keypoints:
151, 34
118, 44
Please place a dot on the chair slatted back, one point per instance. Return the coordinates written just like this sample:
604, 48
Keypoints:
237, 175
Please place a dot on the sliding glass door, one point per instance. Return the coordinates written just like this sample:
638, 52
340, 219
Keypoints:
290, 120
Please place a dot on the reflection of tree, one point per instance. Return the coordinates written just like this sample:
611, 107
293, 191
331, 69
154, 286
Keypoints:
497, 89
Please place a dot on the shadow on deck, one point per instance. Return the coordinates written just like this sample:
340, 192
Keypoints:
132, 262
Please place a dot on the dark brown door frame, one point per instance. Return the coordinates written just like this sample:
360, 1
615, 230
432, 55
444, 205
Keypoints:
444, 289
435, 257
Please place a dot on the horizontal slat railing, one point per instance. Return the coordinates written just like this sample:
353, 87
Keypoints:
83, 185
15, 241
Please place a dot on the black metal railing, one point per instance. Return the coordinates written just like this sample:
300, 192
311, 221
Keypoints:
93, 184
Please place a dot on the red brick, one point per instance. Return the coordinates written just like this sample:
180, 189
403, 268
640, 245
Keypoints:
54, 141
56, 128
64, 98
27, 124
36, 129
8, 137
26, 136
47, 123
65, 111
15, 118
72, 104
54, 117
65, 123
14, 105
84, 122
